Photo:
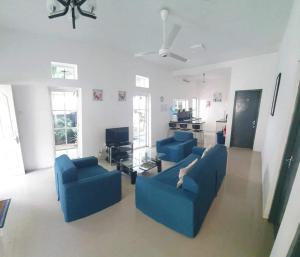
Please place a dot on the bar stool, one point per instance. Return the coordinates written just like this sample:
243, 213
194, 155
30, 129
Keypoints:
172, 128
199, 133
184, 127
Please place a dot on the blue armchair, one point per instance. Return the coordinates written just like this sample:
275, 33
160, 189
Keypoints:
176, 148
83, 187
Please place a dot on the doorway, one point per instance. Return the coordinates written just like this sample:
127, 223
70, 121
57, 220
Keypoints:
11, 159
66, 130
141, 121
245, 116
288, 170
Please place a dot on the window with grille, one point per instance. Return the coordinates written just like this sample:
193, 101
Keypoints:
64, 71
141, 81
181, 104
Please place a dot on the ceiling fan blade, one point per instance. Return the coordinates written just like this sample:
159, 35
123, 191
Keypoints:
145, 53
178, 57
172, 36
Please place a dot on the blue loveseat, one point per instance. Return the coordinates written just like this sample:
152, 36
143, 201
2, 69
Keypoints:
83, 187
176, 148
183, 209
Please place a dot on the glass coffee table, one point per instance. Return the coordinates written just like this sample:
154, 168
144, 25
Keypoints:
138, 162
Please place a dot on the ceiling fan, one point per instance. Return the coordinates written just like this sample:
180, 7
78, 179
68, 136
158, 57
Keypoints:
168, 40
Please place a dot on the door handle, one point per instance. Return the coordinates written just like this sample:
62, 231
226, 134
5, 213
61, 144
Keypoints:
253, 124
289, 161
17, 140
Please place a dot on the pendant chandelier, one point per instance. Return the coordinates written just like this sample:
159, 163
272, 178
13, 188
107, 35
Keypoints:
74, 8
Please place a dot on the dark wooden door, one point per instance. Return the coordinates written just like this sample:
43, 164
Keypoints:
288, 171
245, 115
295, 246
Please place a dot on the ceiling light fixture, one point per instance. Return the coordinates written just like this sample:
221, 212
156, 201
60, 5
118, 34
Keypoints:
203, 79
196, 46
58, 8
185, 80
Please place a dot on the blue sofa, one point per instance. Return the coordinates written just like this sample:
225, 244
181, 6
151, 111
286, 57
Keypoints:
176, 148
83, 187
185, 208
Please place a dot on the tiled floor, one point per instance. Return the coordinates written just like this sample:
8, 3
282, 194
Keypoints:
232, 228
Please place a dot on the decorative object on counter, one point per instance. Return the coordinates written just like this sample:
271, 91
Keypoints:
162, 99
122, 96
278, 79
217, 97
97, 94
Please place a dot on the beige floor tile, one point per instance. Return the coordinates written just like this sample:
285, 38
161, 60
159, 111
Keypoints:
232, 228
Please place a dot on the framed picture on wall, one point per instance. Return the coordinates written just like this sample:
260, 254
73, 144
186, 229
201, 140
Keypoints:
97, 94
278, 79
217, 97
122, 96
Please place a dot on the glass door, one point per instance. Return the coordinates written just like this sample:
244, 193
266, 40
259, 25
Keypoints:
141, 121
195, 107
65, 122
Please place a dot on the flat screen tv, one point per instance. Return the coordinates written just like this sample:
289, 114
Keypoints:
117, 136
184, 115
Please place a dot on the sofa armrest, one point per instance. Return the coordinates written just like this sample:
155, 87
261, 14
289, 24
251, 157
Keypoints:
188, 146
198, 150
86, 196
93, 184
85, 162
172, 207
161, 143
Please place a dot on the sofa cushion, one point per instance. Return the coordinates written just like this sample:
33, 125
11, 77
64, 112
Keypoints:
207, 150
206, 166
170, 176
181, 136
166, 148
67, 169
90, 172
183, 171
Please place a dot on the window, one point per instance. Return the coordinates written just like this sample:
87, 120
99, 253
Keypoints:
64, 71
65, 114
141, 81
181, 104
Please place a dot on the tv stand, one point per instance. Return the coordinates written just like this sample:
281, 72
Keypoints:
116, 152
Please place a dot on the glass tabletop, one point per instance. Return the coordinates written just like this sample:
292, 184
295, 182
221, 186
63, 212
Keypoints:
139, 157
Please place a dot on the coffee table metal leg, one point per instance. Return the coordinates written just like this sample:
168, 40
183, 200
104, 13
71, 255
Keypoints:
133, 175
158, 163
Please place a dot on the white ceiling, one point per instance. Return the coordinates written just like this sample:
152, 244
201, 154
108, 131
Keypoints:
230, 29
215, 75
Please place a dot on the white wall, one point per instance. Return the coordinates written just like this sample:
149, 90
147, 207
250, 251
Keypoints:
277, 134
217, 110
25, 63
253, 73
256, 72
